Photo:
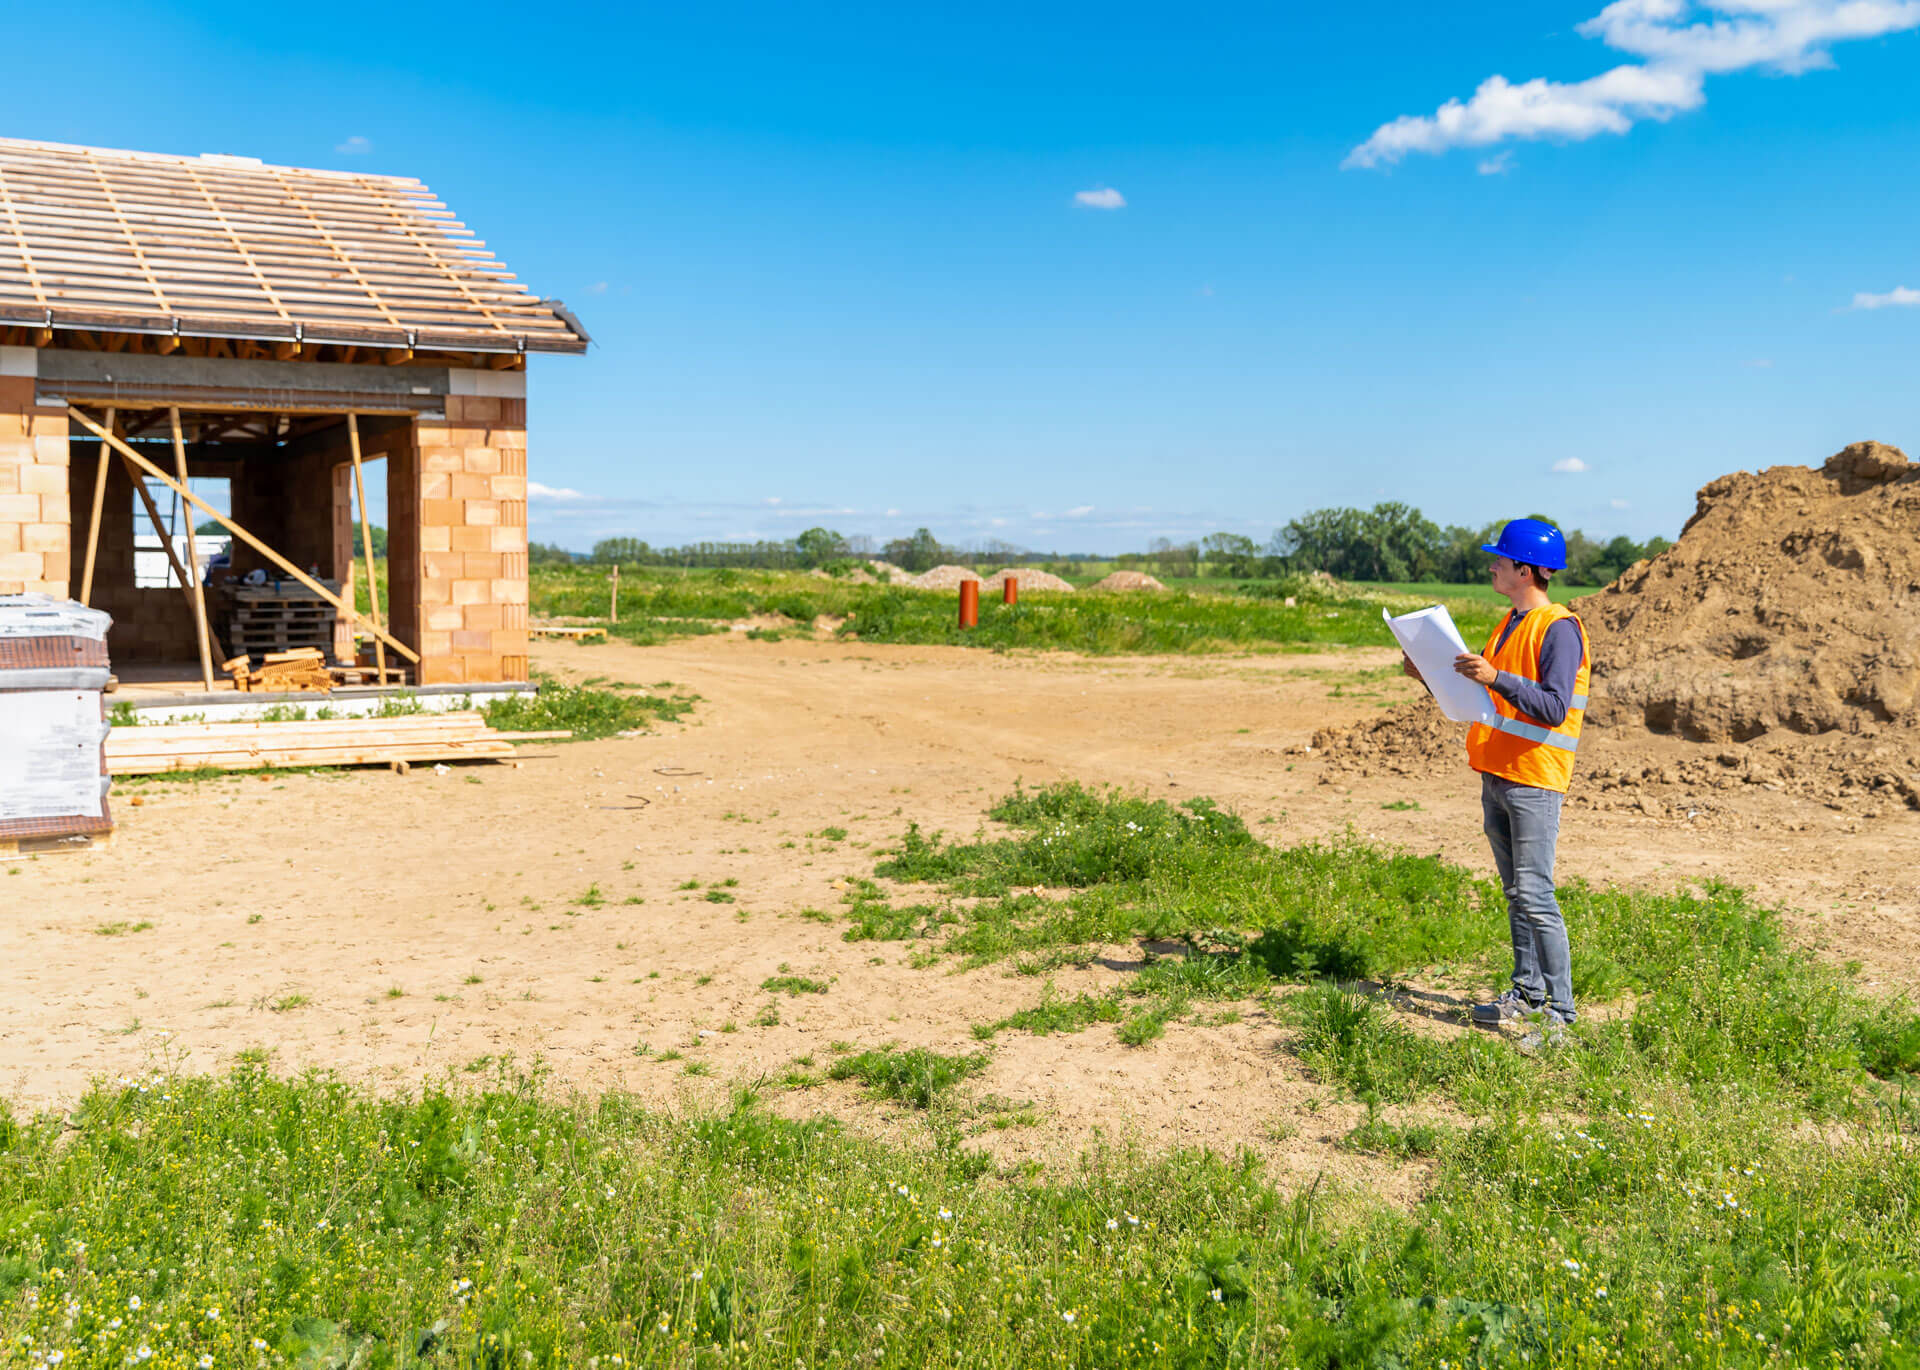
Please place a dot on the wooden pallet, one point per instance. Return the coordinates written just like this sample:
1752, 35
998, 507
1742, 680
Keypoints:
397, 742
578, 634
14, 847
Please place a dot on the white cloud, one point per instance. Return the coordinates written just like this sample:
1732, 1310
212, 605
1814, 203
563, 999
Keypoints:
1497, 165
773, 499
356, 146
1900, 297
535, 490
597, 288
893, 513
1079, 511
1106, 197
1569, 466
1681, 43
1617, 503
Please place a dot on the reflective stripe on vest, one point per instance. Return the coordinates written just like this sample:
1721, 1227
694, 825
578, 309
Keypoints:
1533, 732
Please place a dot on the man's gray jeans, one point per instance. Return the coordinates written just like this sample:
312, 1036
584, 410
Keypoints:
1523, 826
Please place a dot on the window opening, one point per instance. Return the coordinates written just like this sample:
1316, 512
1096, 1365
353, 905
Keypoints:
212, 544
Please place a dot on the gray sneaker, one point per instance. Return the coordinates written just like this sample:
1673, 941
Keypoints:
1510, 1007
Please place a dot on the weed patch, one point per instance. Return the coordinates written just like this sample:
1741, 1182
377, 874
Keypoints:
917, 1076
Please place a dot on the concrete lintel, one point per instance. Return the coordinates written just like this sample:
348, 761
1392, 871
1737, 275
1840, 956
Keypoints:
509, 385
408, 385
19, 361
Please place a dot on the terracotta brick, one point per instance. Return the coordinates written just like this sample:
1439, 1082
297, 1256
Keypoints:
514, 511
483, 616
509, 591
446, 617
43, 479
513, 413
513, 461
437, 668
513, 616
465, 539
513, 668
22, 565
471, 592
436, 485
443, 511
441, 459
482, 461
509, 642
514, 567
436, 538
59, 589
505, 538
466, 486
436, 590
507, 487
19, 508
50, 448
482, 566
9, 537
10, 478
482, 511
472, 640
444, 565
435, 642
12, 587
472, 409
46, 537
55, 508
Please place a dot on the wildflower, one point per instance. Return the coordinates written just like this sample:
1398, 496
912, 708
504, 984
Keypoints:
697, 1275
936, 1241
1601, 1292
1216, 1294
946, 1215
114, 1326
1572, 1266
134, 1303
206, 1363
55, 1357
259, 1343
1132, 1221
144, 1353
213, 1315
901, 1190
1113, 1224
1067, 1317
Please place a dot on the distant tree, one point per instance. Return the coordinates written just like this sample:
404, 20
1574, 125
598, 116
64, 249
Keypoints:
379, 541
819, 545
921, 552
1231, 554
621, 549
211, 528
548, 554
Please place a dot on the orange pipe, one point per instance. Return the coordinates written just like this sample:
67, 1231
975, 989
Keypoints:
1010, 591
969, 604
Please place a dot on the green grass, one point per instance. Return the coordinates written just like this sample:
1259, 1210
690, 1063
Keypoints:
658, 604
793, 985
917, 1076
589, 712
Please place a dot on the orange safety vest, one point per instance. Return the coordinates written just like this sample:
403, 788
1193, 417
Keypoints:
1517, 746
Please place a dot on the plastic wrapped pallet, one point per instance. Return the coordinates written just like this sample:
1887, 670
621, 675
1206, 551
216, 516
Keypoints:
53, 729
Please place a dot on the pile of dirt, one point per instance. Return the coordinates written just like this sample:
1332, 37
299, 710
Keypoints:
1777, 643
1127, 580
1028, 578
887, 571
942, 578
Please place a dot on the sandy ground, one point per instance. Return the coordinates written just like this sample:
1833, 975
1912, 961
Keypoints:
404, 928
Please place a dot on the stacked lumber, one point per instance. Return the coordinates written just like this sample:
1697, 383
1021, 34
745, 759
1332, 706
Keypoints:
262, 619
303, 669
397, 742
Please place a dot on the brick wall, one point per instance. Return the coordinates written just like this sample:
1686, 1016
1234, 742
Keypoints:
36, 527
459, 573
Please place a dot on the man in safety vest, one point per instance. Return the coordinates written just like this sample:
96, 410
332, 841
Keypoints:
1535, 666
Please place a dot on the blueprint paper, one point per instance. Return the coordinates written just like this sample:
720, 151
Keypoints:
1431, 642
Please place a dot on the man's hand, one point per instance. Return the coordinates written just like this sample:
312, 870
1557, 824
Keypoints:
1408, 668
1475, 667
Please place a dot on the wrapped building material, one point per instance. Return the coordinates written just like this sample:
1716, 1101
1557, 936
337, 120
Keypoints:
53, 674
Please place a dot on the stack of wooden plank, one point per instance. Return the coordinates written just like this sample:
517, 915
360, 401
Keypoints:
303, 669
397, 742
263, 619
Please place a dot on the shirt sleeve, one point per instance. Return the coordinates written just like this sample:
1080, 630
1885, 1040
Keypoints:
1552, 696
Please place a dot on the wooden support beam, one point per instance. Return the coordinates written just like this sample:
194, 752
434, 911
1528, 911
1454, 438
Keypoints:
78, 416
366, 542
93, 524
195, 594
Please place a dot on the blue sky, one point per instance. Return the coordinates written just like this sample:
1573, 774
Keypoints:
1079, 276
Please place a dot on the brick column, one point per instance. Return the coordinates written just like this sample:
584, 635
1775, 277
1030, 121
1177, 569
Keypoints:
472, 521
36, 515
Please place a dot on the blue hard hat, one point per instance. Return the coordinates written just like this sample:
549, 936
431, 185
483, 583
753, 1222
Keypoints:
1531, 542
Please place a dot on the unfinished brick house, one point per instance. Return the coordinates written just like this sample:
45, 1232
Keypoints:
167, 323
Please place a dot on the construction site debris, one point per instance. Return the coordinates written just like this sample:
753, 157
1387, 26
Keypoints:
301, 671
943, 578
1777, 643
160, 748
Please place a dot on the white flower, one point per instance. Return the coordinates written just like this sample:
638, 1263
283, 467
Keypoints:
609, 1191
936, 1241
1601, 1292
144, 1353
1113, 1224
1067, 1317
1132, 1221
1216, 1295
213, 1315
134, 1303
206, 1363
901, 1190
1571, 1265
259, 1343
55, 1357
697, 1275
114, 1326
946, 1215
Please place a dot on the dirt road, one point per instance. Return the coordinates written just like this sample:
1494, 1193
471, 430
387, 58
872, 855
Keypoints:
398, 928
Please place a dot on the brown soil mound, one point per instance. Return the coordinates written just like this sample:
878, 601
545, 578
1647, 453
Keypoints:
895, 575
1028, 578
1776, 643
1127, 580
943, 578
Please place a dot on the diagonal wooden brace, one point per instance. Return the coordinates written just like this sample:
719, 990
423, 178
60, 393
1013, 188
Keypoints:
293, 571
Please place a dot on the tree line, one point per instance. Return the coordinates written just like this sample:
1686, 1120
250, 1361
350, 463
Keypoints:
1389, 542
